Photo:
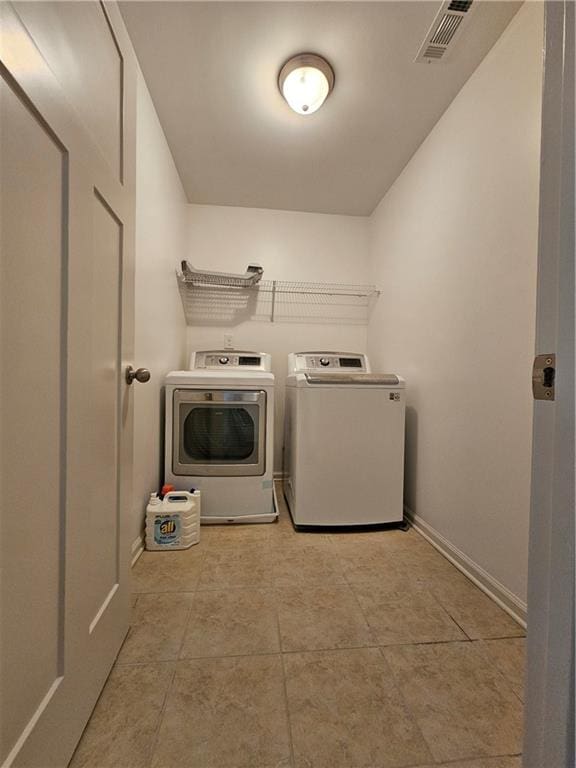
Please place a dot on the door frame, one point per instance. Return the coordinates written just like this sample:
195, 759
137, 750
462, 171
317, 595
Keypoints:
549, 714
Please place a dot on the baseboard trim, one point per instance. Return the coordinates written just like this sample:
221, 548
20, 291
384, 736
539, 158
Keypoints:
501, 595
137, 548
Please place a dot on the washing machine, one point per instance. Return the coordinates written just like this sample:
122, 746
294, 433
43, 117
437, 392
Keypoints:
219, 434
344, 441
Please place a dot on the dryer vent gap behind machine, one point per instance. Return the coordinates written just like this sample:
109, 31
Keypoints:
219, 434
343, 441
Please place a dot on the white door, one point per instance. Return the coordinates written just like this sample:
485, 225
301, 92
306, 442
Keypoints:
549, 724
67, 102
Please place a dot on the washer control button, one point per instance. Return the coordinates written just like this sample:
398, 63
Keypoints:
223, 360
324, 361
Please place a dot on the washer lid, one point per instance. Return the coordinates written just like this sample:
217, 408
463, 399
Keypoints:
343, 379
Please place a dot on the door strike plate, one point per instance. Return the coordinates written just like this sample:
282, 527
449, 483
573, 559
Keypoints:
543, 377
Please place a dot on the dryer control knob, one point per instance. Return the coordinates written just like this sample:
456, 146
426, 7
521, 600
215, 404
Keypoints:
223, 360
324, 361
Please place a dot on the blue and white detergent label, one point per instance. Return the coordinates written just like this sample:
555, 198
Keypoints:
167, 529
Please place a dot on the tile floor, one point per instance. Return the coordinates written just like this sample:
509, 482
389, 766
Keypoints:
266, 648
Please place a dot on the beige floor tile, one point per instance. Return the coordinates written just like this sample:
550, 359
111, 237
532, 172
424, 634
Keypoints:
316, 617
123, 726
232, 622
250, 553
353, 551
405, 617
225, 713
509, 655
427, 566
463, 706
234, 536
157, 628
375, 568
346, 712
246, 551
392, 540
307, 565
168, 571
472, 610
236, 570
288, 544
487, 762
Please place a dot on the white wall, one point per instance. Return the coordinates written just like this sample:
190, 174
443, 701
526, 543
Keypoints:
160, 330
290, 246
454, 245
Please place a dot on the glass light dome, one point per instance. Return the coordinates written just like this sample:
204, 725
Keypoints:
305, 81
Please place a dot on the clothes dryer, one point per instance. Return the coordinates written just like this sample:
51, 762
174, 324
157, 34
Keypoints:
219, 434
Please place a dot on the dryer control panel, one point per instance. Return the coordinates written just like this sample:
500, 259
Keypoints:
348, 362
223, 359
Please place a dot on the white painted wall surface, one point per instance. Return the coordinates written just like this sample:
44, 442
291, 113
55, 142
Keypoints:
160, 330
290, 246
454, 246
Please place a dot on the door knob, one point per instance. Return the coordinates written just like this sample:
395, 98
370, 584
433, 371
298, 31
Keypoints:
141, 374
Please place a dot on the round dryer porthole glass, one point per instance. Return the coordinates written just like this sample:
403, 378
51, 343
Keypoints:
213, 434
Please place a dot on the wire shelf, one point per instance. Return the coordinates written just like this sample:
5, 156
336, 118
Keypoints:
224, 299
319, 289
198, 277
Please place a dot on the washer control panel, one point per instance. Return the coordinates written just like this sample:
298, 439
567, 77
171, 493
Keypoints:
230, 358
334, 361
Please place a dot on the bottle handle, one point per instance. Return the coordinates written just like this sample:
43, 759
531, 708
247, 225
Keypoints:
177, 494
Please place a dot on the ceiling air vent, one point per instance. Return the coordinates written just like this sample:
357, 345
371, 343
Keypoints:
446, 27
460, 5
434, 52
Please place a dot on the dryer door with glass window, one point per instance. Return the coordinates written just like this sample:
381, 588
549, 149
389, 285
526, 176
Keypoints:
218, 432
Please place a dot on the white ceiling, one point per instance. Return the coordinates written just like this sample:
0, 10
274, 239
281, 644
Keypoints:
212, 70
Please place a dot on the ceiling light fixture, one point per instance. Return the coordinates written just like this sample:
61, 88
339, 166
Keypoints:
305, 81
